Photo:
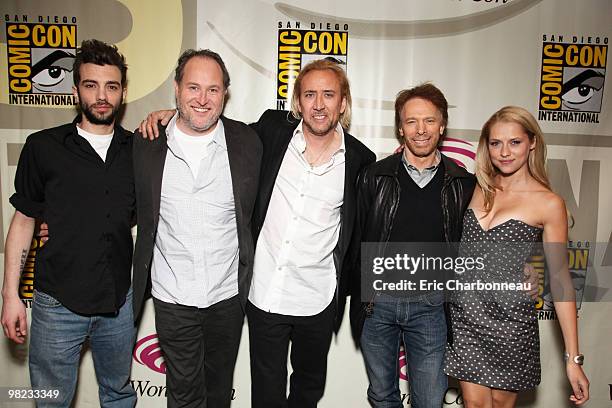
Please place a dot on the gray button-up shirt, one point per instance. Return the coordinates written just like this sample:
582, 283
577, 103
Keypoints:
195, 259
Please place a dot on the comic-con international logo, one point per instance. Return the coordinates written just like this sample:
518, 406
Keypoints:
298, 44
572, 78
39, 60
578, 262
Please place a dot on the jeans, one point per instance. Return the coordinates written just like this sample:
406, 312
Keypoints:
200, 346
56, 339
421, 325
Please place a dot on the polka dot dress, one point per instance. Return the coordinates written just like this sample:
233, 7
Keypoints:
495, 340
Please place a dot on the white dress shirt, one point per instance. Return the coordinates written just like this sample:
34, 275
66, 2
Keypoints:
195, 258
294, 272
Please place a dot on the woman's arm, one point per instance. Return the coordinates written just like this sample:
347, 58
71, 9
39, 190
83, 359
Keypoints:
562, 289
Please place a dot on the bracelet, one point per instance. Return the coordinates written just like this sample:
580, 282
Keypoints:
578, 359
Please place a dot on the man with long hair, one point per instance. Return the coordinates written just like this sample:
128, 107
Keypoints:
303, 222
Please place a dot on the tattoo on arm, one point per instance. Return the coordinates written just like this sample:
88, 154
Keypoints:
24, 257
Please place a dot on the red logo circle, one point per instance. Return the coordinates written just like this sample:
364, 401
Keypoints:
148, 352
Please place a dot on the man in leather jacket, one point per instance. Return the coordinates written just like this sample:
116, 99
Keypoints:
416, 195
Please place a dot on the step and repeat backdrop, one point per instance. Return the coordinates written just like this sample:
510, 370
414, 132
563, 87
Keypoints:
549, 56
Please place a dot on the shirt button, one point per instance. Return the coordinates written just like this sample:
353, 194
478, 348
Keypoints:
106, 191
302, 195
108, 215
286, 242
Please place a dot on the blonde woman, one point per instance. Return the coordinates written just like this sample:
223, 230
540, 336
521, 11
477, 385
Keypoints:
494, 351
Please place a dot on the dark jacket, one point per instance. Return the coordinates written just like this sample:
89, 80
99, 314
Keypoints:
244, 153
275, 129
378, 199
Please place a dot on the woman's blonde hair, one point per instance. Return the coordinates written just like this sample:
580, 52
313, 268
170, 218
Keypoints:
486, 172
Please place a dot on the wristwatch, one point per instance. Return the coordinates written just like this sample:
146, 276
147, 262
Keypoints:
578, 359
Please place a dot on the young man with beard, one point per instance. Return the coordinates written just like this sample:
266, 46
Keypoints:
416, 195
195, 187
78, 178
302, 223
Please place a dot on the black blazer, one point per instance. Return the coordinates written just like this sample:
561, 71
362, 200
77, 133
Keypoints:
275, 129
244, 151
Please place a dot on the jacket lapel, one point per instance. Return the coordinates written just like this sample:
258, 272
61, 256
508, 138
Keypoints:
351, 167
238, 172
157, 155
271, 164
277, 160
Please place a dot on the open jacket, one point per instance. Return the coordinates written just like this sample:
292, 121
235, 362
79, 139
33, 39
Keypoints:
378, 194
275, 129
244, 153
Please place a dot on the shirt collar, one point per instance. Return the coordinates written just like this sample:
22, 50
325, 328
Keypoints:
299, 142
119, 133
431, 169
218, 133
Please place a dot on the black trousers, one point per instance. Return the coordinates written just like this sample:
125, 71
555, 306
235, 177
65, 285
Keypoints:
200, 347
269, 337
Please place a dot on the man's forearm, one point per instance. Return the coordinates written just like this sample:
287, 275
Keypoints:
16, 251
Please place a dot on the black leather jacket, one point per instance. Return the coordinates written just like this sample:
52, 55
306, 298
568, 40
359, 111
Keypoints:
377, 202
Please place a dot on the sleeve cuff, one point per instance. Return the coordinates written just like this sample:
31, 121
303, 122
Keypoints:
28, 207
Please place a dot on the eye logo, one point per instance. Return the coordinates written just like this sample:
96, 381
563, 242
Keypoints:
572, 77
582, 89
148, 353
39, 61
53, 73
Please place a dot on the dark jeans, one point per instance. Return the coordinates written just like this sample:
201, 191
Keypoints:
200, 347
269, 336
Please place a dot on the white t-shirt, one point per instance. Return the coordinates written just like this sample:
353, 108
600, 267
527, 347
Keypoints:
100, 143
194, 148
